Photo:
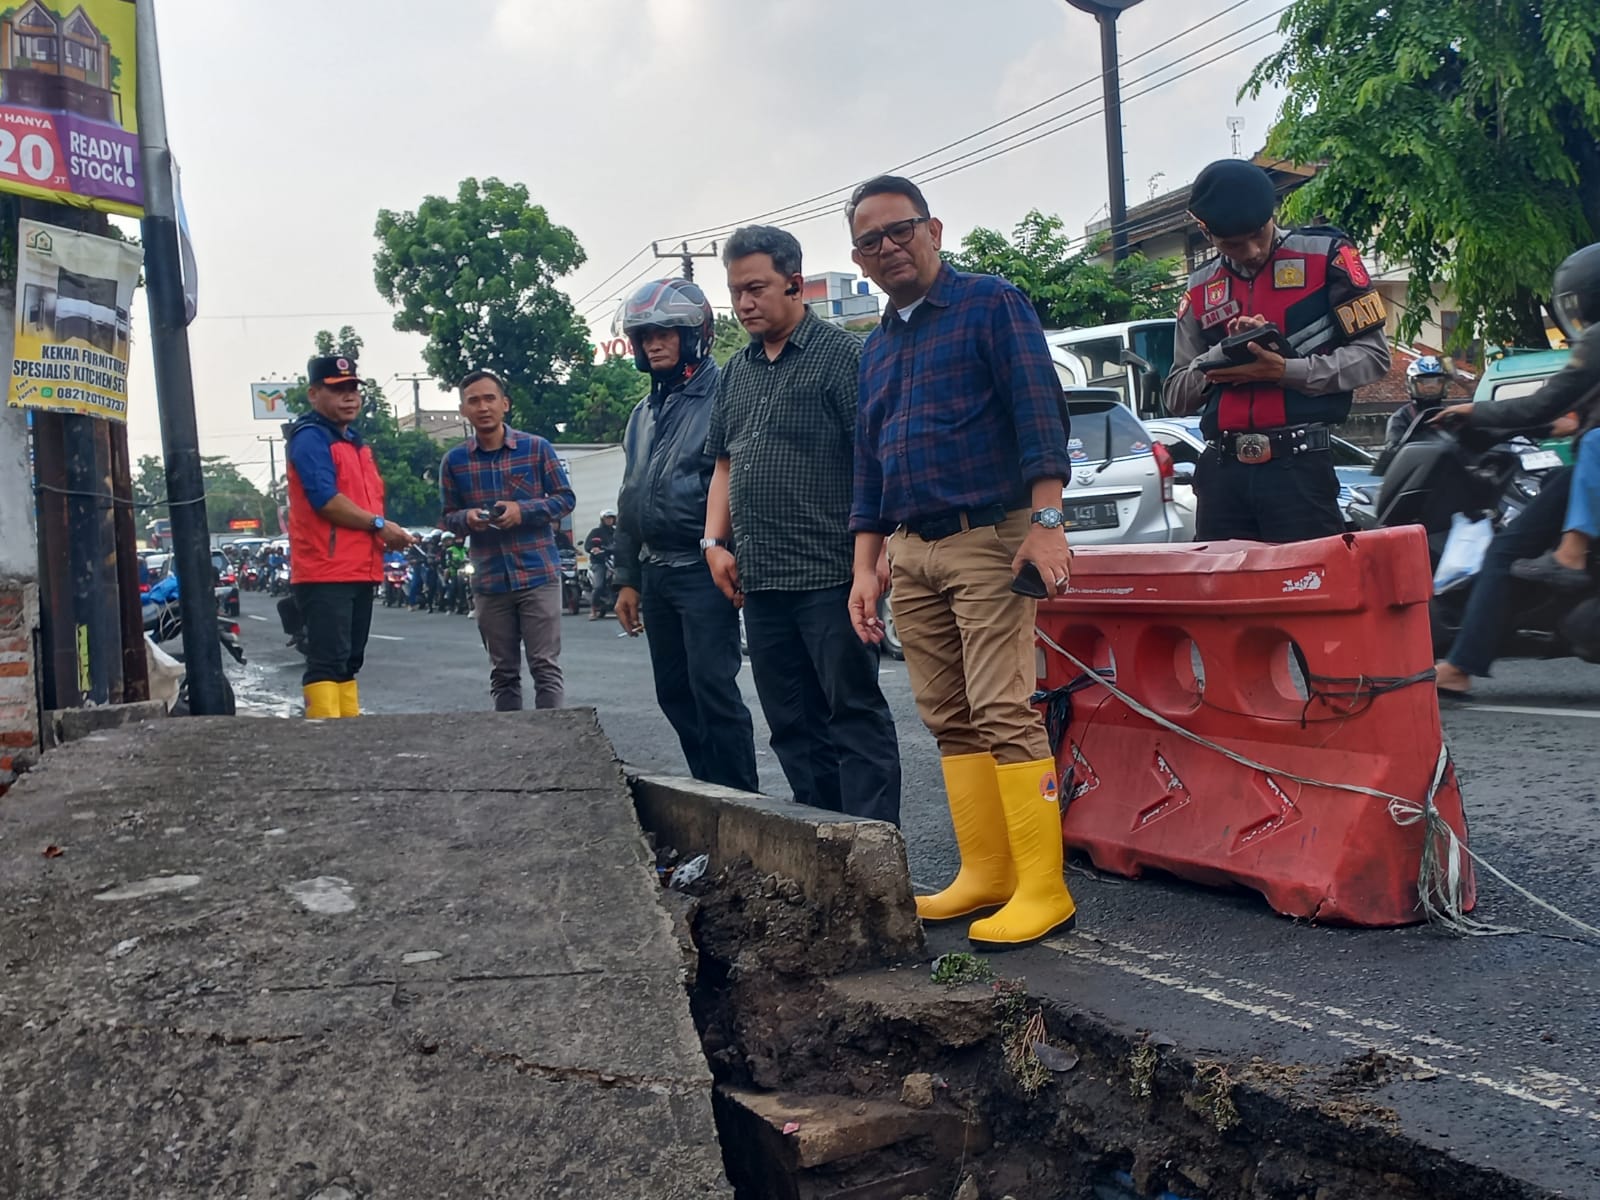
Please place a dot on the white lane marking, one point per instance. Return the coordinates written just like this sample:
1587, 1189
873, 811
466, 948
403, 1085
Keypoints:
1519, 711
253, 617
386, 637
1083, 947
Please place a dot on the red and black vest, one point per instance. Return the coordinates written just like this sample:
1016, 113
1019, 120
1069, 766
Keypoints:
319, 550
1314, 288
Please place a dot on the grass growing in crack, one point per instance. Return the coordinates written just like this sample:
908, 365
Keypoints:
1142, 1071
1214, 1094
1020, 1027
953, 970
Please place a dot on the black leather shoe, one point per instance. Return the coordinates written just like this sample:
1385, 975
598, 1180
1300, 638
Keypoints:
1546, 570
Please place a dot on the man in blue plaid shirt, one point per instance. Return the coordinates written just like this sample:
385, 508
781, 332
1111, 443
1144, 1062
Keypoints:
961, 457
507, 490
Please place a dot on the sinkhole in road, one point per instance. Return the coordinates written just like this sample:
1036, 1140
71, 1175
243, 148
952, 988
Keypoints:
948, 1079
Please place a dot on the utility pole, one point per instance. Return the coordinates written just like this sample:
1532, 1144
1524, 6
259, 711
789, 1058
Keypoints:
169, 345
1107, 12
272, 458
686, 255
416, 398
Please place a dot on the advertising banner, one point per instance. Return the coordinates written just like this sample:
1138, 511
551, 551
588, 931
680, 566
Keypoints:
269, 401
74, 292
69, 129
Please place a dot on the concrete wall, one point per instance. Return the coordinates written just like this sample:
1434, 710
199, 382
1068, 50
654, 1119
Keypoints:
19, 587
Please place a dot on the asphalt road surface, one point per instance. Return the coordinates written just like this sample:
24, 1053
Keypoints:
1506, 1029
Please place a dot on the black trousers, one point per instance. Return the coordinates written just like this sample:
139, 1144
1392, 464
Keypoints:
338, 617
694, 654
831, 727
1293, 498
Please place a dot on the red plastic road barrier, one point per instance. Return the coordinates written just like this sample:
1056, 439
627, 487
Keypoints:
1239, 643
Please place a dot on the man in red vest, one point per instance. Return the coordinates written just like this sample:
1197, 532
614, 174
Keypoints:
337, 536
1267, 474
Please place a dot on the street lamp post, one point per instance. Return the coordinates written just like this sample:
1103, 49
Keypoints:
1107, 12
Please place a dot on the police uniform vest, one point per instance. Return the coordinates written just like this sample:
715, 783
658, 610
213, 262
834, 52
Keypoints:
1317, 291
319, 550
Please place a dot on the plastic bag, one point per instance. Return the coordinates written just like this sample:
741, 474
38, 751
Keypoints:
1463, 550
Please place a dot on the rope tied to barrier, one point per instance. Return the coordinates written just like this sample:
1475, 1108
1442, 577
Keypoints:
1441, 871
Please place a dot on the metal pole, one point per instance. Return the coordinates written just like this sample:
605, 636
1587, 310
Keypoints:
1110, 77
107, 606
416, 402
135, 666
169, 343
82, 520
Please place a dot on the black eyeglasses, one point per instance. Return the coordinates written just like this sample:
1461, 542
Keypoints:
900, 233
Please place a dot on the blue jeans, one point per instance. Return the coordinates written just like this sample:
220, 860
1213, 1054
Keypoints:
694, 654
1484, 624
818, 682
1583, 506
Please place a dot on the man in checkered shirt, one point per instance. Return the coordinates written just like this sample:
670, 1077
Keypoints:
777, 533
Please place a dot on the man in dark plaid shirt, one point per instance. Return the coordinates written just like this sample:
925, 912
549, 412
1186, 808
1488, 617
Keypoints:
507, 490
961, 457
781, 432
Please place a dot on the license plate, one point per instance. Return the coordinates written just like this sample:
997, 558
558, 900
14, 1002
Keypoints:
1540, 460
1100, 515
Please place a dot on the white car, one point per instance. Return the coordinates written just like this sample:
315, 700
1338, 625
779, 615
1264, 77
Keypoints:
1121, 489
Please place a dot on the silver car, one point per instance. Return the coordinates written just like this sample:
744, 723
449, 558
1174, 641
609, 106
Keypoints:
1121, 489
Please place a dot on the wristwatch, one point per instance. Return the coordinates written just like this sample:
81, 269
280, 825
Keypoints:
707, 543
378, 524
1050, 518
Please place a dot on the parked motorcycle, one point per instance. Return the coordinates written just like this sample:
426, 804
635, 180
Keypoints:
603, 597
1493, 474
163, 622
571, 585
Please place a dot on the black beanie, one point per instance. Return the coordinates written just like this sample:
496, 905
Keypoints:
1233, 197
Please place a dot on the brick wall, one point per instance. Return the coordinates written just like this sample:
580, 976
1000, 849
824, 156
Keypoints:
19, 696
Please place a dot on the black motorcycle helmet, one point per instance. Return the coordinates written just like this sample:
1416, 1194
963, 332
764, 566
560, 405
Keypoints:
1575, 294
669, 304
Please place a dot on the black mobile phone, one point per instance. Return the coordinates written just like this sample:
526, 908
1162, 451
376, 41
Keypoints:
1030, 583
1236, 349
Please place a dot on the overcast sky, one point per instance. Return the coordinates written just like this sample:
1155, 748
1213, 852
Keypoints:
630, 121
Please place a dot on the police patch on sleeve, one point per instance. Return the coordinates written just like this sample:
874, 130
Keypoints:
1183, 306
1350, 260
1361, 314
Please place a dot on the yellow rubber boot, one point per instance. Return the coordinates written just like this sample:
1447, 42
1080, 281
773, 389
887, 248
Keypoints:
986, 879
349, 699
322, 701
1041, 905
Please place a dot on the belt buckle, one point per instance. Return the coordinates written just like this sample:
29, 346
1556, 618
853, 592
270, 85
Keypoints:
1252, 447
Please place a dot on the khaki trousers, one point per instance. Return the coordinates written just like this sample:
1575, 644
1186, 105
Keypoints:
968, 640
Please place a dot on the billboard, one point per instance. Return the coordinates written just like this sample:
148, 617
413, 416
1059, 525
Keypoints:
269, 401
69, 128
74, 293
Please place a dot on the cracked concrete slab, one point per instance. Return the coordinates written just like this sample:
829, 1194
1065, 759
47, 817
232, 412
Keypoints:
436, 976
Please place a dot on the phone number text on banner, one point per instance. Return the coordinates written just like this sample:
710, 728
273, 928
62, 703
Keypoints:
74, 298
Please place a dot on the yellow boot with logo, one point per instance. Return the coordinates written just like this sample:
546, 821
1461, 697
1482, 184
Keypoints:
1041, 905
349, 699
322, 701
986, 879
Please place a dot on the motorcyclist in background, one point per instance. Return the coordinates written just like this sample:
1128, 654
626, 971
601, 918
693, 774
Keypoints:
598, 547
1426, 385
1575, 389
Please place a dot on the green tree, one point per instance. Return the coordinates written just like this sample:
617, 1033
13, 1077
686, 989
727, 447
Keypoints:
476, 275
232, 497
149, 494
407, 459
731, 338
610, 391
1459, 136
1067, 289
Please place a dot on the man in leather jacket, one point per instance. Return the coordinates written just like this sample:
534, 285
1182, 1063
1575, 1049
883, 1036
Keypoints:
1567, 501
659, 565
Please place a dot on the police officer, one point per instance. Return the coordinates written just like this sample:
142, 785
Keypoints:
1267, 474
